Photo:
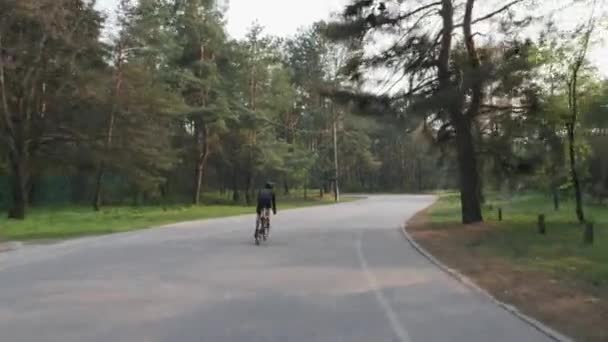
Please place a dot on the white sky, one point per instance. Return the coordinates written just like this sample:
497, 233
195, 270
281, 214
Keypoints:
284, 17
279, 17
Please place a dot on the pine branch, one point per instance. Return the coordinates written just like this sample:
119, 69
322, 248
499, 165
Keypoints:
497, 12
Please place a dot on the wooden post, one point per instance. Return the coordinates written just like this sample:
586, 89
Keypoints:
542, 228
500, 214
589, 233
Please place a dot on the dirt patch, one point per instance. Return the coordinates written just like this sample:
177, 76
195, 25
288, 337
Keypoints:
570, 307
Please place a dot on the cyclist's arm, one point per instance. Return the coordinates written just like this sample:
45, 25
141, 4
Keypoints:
274, 203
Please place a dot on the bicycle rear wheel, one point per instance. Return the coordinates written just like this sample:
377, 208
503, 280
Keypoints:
257, 237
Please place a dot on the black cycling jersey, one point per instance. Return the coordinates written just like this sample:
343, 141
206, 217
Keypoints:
266, 200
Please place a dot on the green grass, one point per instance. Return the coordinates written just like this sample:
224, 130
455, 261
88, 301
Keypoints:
561, 252
70, 222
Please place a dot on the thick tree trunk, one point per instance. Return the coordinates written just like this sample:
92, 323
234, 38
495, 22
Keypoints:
198, 182
202, 152
337, 170
248, 188
571, 126
250, 175
285, 187
110, 129
15, 132
467, 160
236, 195
101, 169
574, 173
164, 191
99, 187
20, 188
469, 174
223, 182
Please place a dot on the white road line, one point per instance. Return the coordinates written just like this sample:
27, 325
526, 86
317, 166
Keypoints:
396, 325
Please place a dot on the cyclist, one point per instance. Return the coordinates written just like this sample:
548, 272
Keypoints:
266, 201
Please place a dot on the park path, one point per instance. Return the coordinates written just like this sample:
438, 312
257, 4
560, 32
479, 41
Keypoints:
329, 274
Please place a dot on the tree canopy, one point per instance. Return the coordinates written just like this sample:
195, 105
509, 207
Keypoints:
389, 96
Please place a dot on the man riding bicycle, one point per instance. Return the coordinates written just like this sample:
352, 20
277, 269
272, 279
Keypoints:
266, 201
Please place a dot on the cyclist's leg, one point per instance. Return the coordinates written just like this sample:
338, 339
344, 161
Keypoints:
266, 223
267, 213
258, 219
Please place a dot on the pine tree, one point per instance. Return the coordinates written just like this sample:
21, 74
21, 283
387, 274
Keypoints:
200, 80
44, 46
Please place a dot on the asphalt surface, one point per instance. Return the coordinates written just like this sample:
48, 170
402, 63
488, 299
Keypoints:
330, 274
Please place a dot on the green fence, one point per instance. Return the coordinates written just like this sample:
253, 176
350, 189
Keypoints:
59, 190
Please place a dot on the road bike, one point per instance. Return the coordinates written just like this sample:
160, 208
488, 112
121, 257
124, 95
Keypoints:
262, 227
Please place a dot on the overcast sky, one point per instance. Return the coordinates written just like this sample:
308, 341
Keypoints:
279, 17
284, 17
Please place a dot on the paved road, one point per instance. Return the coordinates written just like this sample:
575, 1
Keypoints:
330, 274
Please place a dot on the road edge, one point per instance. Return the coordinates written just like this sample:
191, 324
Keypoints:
7, 246
10, 246
544, 329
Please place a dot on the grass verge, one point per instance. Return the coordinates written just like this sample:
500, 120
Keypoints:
70, 222
554, 278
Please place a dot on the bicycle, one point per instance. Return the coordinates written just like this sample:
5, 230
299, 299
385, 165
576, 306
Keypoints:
262, 227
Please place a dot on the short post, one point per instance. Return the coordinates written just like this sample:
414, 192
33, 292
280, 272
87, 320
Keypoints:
500, 214
589, 233
542, 228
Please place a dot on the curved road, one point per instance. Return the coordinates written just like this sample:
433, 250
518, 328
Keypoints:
329, 274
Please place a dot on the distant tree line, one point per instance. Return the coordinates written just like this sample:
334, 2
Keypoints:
170, 107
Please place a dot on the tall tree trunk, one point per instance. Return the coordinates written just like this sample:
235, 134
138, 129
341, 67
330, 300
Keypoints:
202, 151
306, 187
222, 186
236, 196
578, 196
469, 174
574, 111
285, 186
250, 177
571, 128
97, 199
337, 170
198, 181
248, 188
467, 157
14, 133
101, 169
20, 188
